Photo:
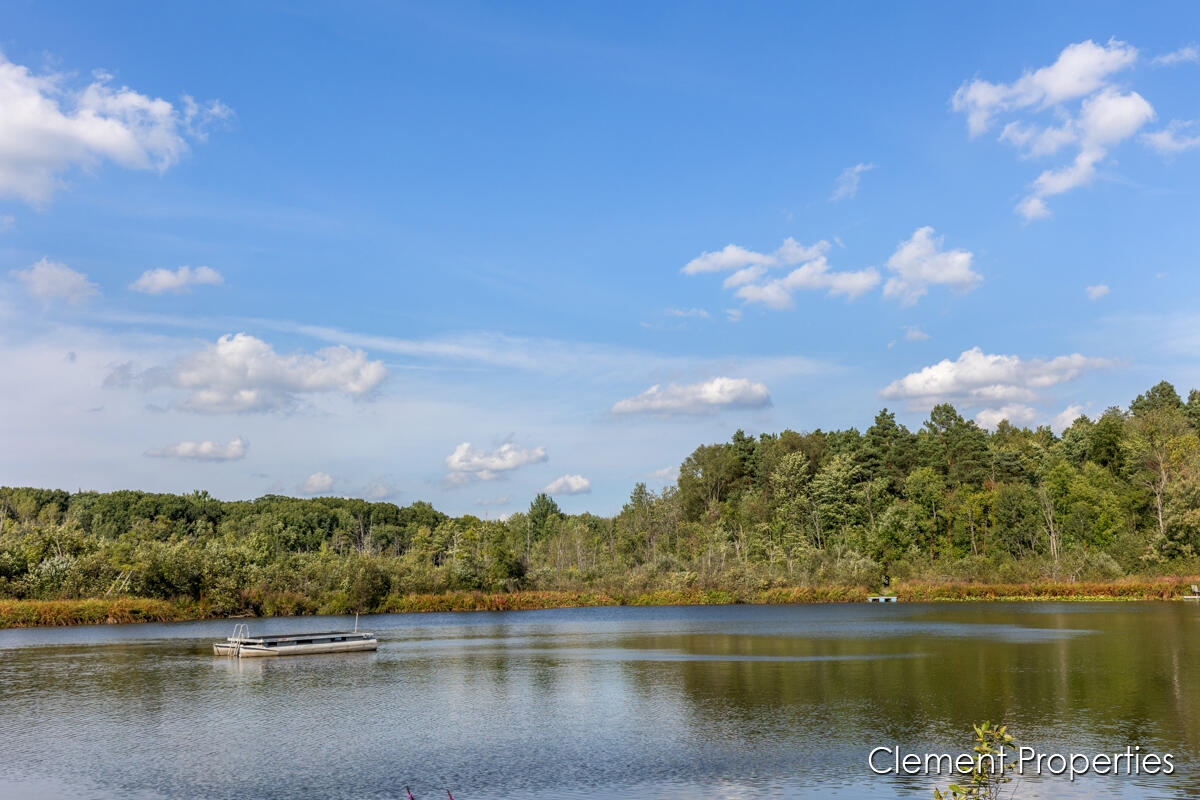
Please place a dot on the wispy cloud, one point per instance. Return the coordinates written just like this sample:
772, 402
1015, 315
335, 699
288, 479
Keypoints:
1178, 136
233, 450
697, 398
52, 280
688, 312
162, 281
847, 182
1184, 55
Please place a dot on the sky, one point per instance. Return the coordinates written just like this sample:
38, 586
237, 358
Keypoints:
465, 253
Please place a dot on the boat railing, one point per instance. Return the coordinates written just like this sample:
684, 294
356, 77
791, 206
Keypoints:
241, 632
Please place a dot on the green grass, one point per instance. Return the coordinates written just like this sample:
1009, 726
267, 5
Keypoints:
96, 611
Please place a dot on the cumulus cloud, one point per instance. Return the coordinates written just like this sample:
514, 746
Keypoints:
914, 334
697, 398
1097, 291
203, 451
1015, 413
847, 182
161, 281
749, 273
816, 275
468, 464
569, 484
317, 483
978, 378
52, 280
734, 257
240, 373
1183, 55
1106, 115
48, 127
919, 263
1079, 70
1177, 137
1066, 417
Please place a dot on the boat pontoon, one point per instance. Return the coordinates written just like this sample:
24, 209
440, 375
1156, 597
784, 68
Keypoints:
242, 645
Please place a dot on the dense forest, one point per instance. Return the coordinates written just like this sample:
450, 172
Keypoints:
1112, 497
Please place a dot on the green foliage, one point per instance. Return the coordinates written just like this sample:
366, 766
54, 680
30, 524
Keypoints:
1114, 496
986, 778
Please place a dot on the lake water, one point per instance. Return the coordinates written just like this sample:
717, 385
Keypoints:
706, 702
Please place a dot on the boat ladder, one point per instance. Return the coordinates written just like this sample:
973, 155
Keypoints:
241, 632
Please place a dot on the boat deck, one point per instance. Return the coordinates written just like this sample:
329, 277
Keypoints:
243, 645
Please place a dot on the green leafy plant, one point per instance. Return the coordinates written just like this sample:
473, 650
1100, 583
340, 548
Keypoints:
986, 778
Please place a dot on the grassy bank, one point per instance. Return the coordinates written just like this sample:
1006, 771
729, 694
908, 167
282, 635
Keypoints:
42, 613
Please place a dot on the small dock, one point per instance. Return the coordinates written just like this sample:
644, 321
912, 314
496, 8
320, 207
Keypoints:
883, 598
243, 645
1195, 595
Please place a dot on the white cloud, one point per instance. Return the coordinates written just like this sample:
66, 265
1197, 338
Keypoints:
1183, 55
47, 128
749, 268
735, 257
317, 483
816, 275
979, 378
919, 263
240, 373
733, 314
730, 258
1097, 291
1015, 413
1064, 418
1175, 138
467, 464
1079, 70
743, 276
697, 398
914, 334
688, 312
380, 489
1106, 117
160, 281
569, 484
51, 280
666, 475
847, 182
203, 451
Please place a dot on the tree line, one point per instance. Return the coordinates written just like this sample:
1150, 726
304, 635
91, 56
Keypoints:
1114, 496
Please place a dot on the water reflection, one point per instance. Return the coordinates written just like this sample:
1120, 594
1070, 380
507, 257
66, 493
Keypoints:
748, 702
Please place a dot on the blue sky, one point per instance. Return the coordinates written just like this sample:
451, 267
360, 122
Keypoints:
466, 252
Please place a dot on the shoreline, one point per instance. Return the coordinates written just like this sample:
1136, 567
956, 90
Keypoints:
125, 610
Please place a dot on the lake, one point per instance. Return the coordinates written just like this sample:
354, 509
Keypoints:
701, 702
